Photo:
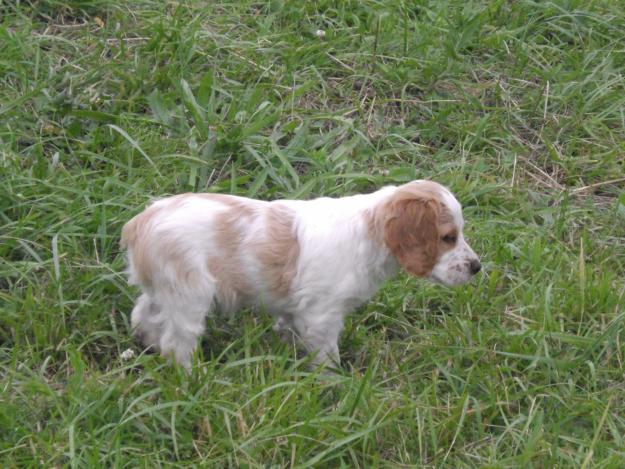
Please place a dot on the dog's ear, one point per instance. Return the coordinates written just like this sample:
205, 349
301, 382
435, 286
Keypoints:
411, 233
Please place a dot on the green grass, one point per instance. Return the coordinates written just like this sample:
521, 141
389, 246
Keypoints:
518, 106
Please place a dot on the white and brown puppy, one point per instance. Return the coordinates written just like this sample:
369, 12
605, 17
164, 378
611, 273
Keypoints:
309, 263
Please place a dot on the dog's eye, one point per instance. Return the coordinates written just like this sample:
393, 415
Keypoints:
449, 238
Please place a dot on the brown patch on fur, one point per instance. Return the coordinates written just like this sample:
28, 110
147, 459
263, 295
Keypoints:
412, 234
230, 231
279, 251
134, 234
227, 265
411, 223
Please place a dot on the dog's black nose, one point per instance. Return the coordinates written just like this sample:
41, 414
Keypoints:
475, 266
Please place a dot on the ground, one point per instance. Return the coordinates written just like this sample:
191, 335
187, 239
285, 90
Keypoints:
517, 106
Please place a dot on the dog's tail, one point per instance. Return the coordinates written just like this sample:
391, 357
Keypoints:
133, 240
129, 233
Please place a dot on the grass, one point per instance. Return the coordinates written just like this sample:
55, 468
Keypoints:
517, 106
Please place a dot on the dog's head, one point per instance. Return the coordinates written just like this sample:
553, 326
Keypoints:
422, 228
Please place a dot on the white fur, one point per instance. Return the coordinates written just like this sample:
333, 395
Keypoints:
341, 265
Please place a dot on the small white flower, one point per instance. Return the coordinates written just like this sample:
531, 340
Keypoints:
127, 354
320, 33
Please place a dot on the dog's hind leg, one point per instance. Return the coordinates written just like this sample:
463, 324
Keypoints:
145, 322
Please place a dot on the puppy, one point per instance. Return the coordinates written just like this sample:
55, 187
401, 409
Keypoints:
309, 263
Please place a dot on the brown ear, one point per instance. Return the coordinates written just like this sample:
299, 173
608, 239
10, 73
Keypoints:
411, 233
